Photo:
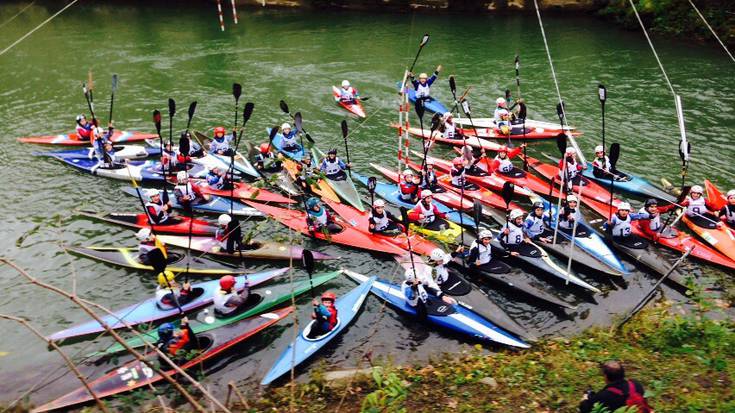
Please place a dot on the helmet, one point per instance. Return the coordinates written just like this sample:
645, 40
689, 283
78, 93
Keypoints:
485, 233
599, 149
218, 130
458, 161
329, 296
730, 193
332, 151
429, 162
224, 219
516, 213
426, 193
143, 234
150, 193
166, 278
572, 198
227, 282
265, 147
345, 83
423, 76
696, 189
570, 151
408, 172
503, 149
438, 255
379, 203
538, 204
80, 117
312, 202
500, 102
285, 126
447, 115
165, 331
651, 202
624, 206
181, 176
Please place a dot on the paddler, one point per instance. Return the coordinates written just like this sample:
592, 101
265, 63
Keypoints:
426, 214
570, 169
176, 342
194, 151
324, 315
416, 292
307, 174
601, 166
512, 235
347, 93
318, 219
436, 275
288, 139
458, 174
569, 213
185, 192
108, 160
535, 224
697, 207
265, 160
448, 128
333, 167
227, 301
169, 158
225, 235
147, 243
84, 129
220, 145
480, 256
619, 223
408, 187
727, 212
423, 85
502, 161
469, 155
429, 179
169, 294
501, 110
155, 208
99, 138
650, 223
381, 221
218, 179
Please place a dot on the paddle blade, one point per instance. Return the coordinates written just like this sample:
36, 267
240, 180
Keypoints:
507, 94
372, 182
171, 108
298, 121
308, 138
466, 107
517, 63
273, 133
435, 122
284, 106
561, 143
236, 91
90, 82
614, 155
476, 211
602, 93
507, 192
522, 111
453, 86
683, 195
560, 111
184, 145
157, 260
345, 131
404, 218
114, 83
420, 109
247, 113
157, 121
308, 259
192, 109
424, 40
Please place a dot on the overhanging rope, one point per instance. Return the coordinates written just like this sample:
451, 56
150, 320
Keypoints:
37, 27
653, 49
712, 30
18, 14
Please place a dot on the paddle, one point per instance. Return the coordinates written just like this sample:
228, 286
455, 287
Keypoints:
518, 76
476, 214
307, 258
88, 89
602, 94
236, 93
406, 223
424, 40
284, 108
684, 145
112, 96
507, 194
272, 134
246, 114
561, 144
192, 109
345, 132
468, 112
435, 122
157, 123
184, 143
614, 156
371, 184
171, 114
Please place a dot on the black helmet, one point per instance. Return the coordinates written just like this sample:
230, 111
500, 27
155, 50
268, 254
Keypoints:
651, 202
332, 151
538, 204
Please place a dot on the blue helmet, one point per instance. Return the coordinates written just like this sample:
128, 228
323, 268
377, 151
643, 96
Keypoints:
312, 202
165, 331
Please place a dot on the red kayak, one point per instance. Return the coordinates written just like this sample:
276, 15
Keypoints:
438, 137
359, 220
355, 107
349, 236
517, 133
174, 225
243, 191
73, 139
592, 190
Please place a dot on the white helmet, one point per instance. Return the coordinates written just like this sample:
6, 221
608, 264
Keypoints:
224, 219
408, 172
410, 274
730, 193
423, 76
80, 117
438, 255
447, 115
181, 176
425, 193
515, 214
379, 203
151, 192
485, 233
599, 148
500, 102
345, 83
99, 131
285, 126
143, 234
696, 188
624, 206
572, 198
571, 150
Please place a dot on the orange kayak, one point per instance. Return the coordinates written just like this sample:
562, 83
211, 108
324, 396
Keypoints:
321, 188
355, 107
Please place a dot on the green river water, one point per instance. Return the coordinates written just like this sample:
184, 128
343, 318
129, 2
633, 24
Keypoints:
179, 52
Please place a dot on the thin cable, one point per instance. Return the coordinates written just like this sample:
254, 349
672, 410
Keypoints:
710, 29
18, 14
37, 27
653, 49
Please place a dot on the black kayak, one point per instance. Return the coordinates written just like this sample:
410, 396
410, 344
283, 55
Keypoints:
641, 251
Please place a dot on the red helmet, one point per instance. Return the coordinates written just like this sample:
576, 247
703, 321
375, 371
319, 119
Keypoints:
227, 282
458, 161
329, 296
503, 149
219, 129
265, 148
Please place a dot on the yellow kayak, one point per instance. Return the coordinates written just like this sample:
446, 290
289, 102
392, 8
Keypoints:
446, 236
321, 188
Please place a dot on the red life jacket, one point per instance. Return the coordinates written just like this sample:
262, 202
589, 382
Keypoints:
179, 343
332, 317
634, 398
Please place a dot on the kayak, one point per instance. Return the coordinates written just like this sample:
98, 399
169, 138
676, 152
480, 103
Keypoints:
722, 238
455, 318
631, 184
215, 205
135, 374
243, 191
475, 142
174, 225
275, 176
321, 188
148, 311
73, 139
591, 189
277, 143
296, 220
176, 262
305, 346
590, 248
344, 187
143, 171
389, 192
430, 104
449, 235
359, 220
121, 152
242, 164
258, 250
532, 133
641, 251
264, 299
355, 107
517, 124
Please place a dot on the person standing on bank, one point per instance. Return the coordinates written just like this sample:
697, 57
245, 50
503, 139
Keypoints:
618, 391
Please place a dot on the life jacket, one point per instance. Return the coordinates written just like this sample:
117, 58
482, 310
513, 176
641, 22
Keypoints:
407, 190
289, 139
458, 178
332, 316
696, 207
729, 212
220, 302
484, 253
504, 164
216, 146
347, 94
221, 235
450, 130
84, 132
215, 181
498, 114
331, 167
428, 213
571, 168
156, 212
654, 221
162, 292
381, 222
569, 224
602, 163
319, 218
146, 247
534, 225
423, 91
633, 399
413, 297
441, 273
178, 343
429, 180
515, 234
183, 190
621, 227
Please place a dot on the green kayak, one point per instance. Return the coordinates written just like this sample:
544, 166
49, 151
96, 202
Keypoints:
345, 188
268, 300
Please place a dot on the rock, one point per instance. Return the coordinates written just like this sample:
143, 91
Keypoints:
345, 374
490, 382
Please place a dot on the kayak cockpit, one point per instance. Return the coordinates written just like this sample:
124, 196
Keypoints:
306, 334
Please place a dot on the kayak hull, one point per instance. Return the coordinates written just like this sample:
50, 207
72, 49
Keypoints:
243, 191
345, 188
474, 142
73, 139
175, 225
133, 152
215, 205
431, 105
354, 108
634, 185
261, 250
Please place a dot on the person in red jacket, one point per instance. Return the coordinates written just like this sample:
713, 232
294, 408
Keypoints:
426, 214
502, 162
618, 392
652, 225
570, 169
84, 129
408, 186
324, 316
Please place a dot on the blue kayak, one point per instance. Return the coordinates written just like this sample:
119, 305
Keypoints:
148, 311
143, 171
278, 144
631, 184
456, 317
431, 104
389, 192
121, 152
588, 241
304, 347
215, 205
